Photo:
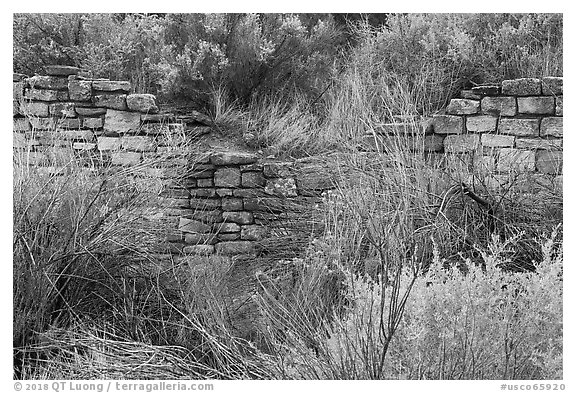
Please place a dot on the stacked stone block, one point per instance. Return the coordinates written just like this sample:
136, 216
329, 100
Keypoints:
511, 129
71, 116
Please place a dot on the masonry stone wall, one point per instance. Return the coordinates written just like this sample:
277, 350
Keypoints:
224, 200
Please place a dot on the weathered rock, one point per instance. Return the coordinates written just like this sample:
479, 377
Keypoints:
106, 143
138, 143
278, 169
48, 82
232, 204
243, 218
227, 227
82, 111
469, 95
552, 126
193, 226
235, 247
46, 95
199, 249
105, 85
539, 143
559, 106
522, 87
481, 123
111, 101
69, 123
92, 122
499, 106
284, 187
536, 105
62, 109
253, 179
145, 103
446, 124
552, 85
434, 143
155, 128
549, 162
515, 160
519, 127
226, 237
85, 135
461, 143
39, 109
225, 192
462, 106
233, 158
208, 216
484, 164
80, 90
158, 117
227, 177
126, 158
196, 117
121, 122
201, 171
492, 140
61, 70
205, 183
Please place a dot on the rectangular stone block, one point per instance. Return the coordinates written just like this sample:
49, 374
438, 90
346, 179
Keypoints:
207, 216
226, 227
434, 143
145, 103
46, 95
111, 101
228, 177
539, 144
80, 90
536, 105
126, 158
155, 128
39, 109
193, 226
103, 85
549, 162
446, 124
462, 106
62, 109
559, 106
48, 82
205, 183
138, 143
232, 204
233, 158
253, 179
93, 122
515, 160
203, 193
68, 123
226, 237
85, 111
106, 143
481, 123
243, 218
200, 238
552, 126
499, 106
199, 249
496, 140
85, 135
461, 143
519, 127
225, 192
552, 85
522, 87
61, 70
235, 247
121, 122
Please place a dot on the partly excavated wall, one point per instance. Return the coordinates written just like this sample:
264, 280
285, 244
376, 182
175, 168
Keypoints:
225, 199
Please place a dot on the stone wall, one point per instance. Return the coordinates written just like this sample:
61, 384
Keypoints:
219, 200
500, 131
